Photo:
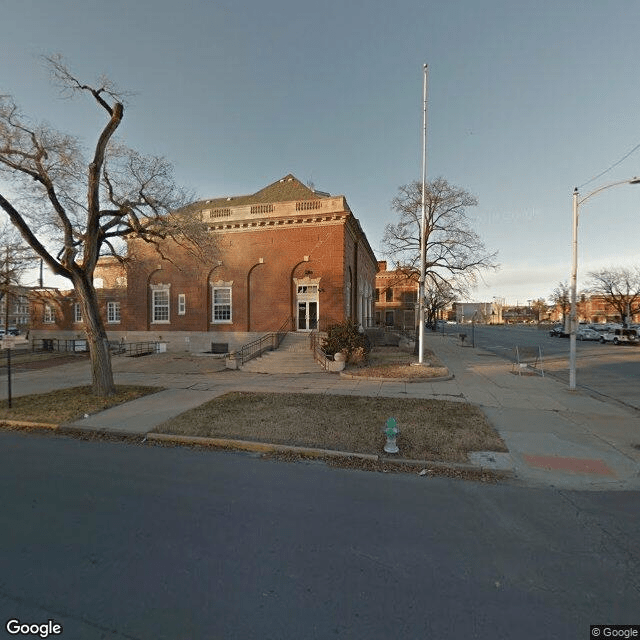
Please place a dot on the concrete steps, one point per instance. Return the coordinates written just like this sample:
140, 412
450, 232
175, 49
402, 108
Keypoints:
293, 356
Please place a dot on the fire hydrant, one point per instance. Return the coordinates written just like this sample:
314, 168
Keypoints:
391, 431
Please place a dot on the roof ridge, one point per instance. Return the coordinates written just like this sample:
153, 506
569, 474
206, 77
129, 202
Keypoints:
285, 189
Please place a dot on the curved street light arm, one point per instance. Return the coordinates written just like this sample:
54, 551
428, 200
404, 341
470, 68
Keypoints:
634, 180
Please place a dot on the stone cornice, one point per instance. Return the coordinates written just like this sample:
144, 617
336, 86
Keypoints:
232, 214
278, 223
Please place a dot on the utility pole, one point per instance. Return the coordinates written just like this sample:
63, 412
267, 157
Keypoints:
423, 224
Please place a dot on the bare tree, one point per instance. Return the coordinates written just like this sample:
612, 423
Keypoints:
561, 297
71, 209
619, 287
15, 259
455, 254
438, 296
540, 307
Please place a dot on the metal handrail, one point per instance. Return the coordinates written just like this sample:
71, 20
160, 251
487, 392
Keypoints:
138, 348
268, 342
319, 354
58, 344
81, 345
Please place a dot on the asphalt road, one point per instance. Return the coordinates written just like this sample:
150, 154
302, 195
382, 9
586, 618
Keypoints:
117, 541
607, 369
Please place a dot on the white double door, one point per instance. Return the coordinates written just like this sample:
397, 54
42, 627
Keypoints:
307, 312
307, 315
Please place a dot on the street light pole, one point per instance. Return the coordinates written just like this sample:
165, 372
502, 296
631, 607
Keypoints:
574, 274
574, 288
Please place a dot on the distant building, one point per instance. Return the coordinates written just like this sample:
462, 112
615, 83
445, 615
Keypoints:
396, 297
480, 312
15, 309
594, 310
519, 314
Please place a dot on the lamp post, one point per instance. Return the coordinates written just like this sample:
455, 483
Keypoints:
577, 201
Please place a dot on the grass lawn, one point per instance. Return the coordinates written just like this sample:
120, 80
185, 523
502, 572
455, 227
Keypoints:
66, 405
429, 429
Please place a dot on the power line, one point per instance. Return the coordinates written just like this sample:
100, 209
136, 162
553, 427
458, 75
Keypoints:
615, 164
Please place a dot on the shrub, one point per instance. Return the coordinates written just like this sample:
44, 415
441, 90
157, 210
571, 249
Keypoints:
346, 337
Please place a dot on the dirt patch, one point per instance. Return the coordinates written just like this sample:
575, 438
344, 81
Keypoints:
392, 362
181, 363
34, 361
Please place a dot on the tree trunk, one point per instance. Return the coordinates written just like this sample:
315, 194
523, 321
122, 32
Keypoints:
101, 372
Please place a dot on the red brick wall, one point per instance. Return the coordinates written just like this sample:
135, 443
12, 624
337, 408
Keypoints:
404, 296
63, 304
267, 294
333, 248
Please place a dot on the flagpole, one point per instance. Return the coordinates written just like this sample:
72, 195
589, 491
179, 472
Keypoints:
423, 224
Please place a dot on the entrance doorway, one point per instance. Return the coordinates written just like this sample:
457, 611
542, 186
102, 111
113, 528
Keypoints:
307, 315
307, 306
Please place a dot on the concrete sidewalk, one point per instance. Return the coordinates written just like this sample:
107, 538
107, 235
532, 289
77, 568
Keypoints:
555, 437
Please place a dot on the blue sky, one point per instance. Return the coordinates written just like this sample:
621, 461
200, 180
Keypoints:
526, 101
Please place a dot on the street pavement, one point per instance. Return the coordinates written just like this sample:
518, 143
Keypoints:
556, 437
114, 541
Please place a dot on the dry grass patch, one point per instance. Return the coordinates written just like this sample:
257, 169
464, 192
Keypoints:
24, 359
66, 405
429, 429
391, 362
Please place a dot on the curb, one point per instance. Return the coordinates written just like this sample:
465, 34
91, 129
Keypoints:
73, 429
29, 425
261, 447
264, 447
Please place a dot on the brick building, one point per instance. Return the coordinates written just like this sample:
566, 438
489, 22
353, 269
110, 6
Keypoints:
14, 309
396, 297
594, 309
284, 256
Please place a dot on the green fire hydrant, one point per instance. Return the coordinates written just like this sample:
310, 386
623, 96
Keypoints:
391, 431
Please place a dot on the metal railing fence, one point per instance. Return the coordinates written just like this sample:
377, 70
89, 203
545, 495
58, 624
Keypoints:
81, 345
268, 342
319, 354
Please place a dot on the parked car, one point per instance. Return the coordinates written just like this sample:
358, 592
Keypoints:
620, 336
558, 332
586, 333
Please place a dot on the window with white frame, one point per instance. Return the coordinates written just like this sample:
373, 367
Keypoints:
182, 304
221, 303
77, 312
113, 312
49, 316
160, 305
